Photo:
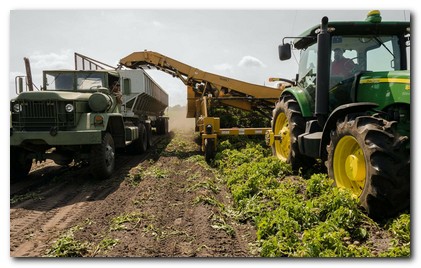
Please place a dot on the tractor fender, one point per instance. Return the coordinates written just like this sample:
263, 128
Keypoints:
303, 99
341, 112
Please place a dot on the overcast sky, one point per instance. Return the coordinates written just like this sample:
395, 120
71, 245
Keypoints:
241, 44
234, 43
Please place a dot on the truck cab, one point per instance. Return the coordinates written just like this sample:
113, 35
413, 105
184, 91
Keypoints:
84, 116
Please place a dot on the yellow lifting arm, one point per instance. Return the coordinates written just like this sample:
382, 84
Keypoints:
221, 86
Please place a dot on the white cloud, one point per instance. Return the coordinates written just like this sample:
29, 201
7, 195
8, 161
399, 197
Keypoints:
224, 67
250, 61
61, 60
157, 24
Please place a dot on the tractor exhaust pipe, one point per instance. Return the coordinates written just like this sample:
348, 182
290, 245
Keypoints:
323, 73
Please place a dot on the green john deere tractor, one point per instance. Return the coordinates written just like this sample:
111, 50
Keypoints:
357, 119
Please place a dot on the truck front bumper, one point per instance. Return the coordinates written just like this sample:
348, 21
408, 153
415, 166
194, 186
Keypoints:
58, 138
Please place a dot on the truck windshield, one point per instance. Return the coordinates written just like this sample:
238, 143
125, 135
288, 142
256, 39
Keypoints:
72, 81
86, 81
59, 81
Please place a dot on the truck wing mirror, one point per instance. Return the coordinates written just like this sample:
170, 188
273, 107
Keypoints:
284, 51
18, 84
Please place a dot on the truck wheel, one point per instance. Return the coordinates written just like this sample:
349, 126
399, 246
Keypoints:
102, 158
209, 150
149, 135
159, 128
141, 144
162, 126
166, 126
368, 156
289, 123
20, 163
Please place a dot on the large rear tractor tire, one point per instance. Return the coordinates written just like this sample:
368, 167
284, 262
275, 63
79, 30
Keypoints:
102, 158
289, 123
368, 156
20, 163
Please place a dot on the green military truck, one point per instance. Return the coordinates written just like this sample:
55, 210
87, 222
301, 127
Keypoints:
84, 115
357, 120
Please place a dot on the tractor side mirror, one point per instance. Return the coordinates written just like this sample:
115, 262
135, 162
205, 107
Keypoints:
284, 51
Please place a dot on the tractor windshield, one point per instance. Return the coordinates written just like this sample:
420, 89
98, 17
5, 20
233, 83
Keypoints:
352, 54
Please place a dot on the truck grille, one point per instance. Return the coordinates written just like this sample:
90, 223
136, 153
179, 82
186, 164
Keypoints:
42, 115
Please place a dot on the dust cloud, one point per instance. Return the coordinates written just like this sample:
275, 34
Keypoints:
178, 120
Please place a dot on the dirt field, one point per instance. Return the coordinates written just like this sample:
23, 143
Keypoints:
165, 203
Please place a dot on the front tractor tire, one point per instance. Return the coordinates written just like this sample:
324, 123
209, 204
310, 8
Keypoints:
369, 157
102, 158
20, 163
288, 123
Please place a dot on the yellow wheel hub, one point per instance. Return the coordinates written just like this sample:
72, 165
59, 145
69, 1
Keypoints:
349, 166
282, 146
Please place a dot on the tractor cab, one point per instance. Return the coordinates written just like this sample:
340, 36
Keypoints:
354, 49
350, 108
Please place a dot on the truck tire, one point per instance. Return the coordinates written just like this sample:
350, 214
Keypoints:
141, 144
368, 156
166, 126
149, 134
162, 126
102, 158
20, 163
289, 123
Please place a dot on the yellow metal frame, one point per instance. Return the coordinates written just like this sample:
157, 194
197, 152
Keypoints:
202, 87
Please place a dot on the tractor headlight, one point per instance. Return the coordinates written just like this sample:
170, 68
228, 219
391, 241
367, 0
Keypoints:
17, 108
69, 107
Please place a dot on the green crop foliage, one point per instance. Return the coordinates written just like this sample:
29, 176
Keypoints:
67, 246
119, 222
295, 217
23, 197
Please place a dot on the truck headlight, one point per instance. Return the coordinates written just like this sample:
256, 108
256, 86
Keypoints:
100, 102
17, 108
69, 108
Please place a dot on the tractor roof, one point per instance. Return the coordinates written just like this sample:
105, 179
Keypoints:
353, 28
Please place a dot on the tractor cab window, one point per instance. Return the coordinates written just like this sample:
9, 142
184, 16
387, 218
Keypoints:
351, 55
383, 54
307, 69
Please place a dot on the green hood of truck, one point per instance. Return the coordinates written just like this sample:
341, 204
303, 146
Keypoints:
54, 95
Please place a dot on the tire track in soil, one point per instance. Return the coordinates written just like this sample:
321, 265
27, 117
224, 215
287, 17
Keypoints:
34, 224
172, 223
